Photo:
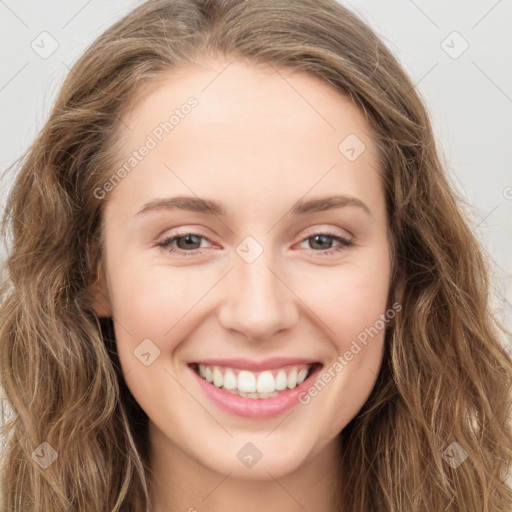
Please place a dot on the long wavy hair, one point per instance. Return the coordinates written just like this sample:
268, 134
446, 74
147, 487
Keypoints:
446, 377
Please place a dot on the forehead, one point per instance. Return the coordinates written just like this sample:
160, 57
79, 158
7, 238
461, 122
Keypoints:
257, 126
277, 98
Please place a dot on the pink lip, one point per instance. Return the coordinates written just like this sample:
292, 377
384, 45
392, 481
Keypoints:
256, 366
260, 408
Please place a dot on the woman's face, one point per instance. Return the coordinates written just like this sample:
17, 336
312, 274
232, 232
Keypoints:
270, 283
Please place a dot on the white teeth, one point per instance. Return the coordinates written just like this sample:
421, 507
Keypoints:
301, 376
292, 378
218, 379
246, 382
265, 383
250, 385
230, 380
281, 381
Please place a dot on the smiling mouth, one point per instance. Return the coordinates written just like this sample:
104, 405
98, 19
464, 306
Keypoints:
256, 385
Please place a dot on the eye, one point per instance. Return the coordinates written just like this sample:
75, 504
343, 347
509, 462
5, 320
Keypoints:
189, 241
320, 239
186, 241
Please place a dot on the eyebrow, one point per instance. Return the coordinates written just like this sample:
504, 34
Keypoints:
209, 207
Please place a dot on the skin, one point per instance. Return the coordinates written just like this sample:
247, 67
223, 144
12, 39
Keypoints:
259, 140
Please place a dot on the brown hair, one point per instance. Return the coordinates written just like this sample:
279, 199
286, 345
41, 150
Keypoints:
445, 375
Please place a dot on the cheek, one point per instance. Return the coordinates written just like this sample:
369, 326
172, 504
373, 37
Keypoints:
350, 300
150, 299
152, 303
158, 303
352, 306
352, 311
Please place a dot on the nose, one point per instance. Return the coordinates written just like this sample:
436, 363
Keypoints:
257, 303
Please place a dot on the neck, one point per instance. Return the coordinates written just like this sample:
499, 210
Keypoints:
182, 484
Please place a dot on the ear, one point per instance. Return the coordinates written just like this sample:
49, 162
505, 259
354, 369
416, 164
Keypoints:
98, 295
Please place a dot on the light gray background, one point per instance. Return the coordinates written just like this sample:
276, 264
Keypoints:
469, 95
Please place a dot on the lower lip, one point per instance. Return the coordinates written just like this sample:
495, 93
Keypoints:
255, 408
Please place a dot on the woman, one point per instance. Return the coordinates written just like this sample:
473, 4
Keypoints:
259, 370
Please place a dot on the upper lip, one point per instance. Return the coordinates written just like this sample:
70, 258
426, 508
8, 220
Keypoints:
257, 366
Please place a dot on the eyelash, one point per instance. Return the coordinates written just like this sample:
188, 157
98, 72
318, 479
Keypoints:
166, 244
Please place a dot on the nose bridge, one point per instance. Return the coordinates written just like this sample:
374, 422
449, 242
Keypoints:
257, 303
